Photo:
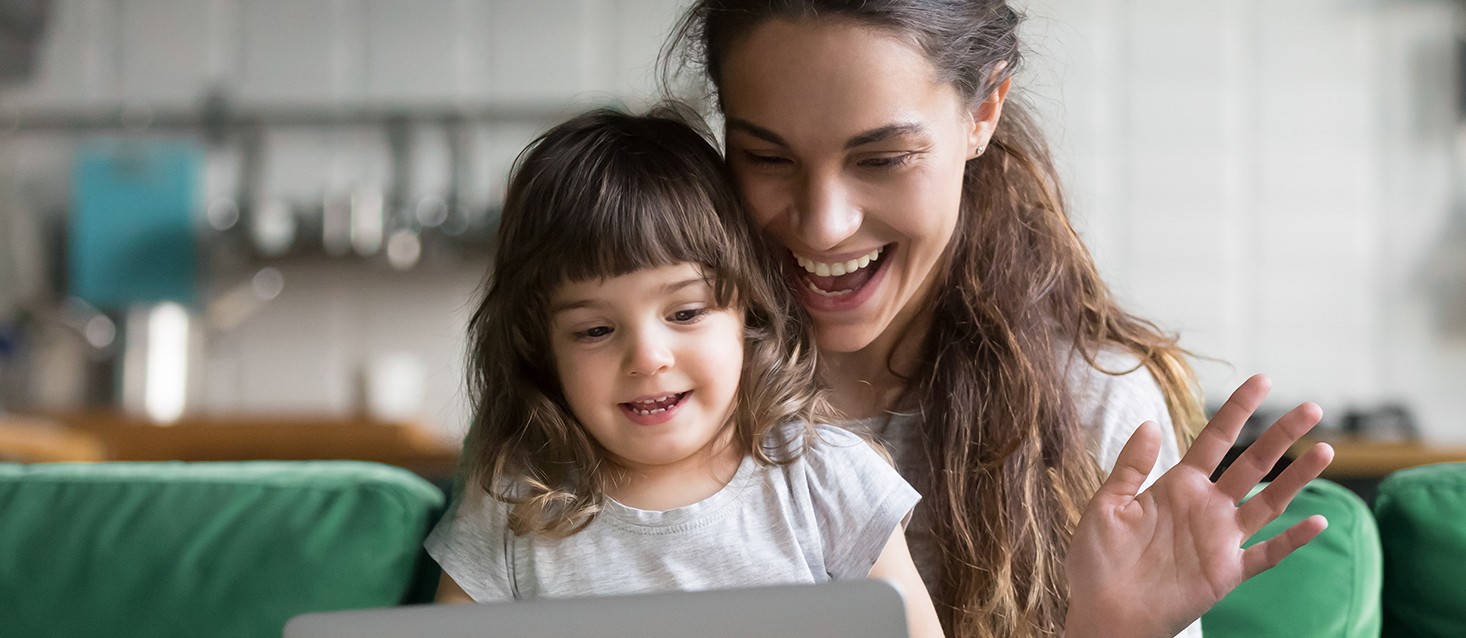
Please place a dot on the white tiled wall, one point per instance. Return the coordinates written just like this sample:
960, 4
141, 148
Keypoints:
1271, 179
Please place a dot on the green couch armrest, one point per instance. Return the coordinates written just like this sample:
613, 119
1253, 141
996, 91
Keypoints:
204, 549
1422, 516
1328, 588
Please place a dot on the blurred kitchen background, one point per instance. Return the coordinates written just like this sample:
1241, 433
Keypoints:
218, 211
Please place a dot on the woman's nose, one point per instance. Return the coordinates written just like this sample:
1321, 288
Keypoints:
826, 215
649, 354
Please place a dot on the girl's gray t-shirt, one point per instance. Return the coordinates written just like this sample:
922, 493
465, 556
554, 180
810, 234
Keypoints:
825, 516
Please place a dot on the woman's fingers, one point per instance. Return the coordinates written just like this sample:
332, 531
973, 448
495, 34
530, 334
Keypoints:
1133, 465
1254, 464
1216, 438
1272, 500
1267, 554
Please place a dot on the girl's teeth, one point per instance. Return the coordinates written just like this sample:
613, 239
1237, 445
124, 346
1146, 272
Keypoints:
821, 269
650, 406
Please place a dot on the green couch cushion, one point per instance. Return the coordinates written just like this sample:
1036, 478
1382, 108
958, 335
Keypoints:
1328, 588
203, 549
1422, 516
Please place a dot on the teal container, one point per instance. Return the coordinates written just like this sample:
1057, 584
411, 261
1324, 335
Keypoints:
132, 236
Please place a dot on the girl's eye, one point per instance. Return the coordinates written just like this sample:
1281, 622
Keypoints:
690, 315
886, 161
592, 334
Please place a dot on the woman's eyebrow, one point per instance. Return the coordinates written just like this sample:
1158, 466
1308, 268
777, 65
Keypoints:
872, 136
735, 124
884, 133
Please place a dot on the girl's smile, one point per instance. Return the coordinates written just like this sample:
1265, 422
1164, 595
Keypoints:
654, 410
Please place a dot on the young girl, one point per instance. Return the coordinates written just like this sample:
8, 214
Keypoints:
643, 394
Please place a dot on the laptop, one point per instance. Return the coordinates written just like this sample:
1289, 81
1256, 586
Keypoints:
853, 609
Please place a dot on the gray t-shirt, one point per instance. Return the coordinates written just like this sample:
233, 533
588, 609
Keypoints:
825, 516
1110, 406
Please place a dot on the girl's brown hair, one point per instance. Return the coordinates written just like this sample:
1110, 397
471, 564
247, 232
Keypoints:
1007, 465
602, 195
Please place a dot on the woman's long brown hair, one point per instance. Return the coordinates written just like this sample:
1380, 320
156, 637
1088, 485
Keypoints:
1008, 466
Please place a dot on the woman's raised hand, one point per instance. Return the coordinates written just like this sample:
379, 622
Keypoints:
1150, 563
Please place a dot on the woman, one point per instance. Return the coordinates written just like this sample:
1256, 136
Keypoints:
960, 317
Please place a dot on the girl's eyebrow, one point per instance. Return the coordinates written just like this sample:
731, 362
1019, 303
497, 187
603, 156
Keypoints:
576, 304
573, 305
878, 134
679, 285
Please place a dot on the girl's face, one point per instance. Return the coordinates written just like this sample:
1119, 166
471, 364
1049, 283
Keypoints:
847, 149
649, 364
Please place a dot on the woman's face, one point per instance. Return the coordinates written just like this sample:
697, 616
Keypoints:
849, 151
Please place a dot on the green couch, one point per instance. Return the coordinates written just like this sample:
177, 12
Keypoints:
1394, 571
235, 549
206, 549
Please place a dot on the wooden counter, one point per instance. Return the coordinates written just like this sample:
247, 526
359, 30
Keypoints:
35, 440
1356, 458
242, 438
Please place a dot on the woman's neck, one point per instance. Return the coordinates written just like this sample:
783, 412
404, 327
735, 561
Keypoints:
870, 381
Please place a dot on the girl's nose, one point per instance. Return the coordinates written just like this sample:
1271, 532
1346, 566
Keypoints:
826, 215
649, 354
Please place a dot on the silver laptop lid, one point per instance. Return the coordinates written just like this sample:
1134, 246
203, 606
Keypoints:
854, 609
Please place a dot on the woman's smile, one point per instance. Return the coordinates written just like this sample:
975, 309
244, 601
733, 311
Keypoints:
835, 285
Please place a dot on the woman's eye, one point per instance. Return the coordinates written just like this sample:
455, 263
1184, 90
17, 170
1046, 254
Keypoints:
886, 161
688, 316
591, 334
762, 159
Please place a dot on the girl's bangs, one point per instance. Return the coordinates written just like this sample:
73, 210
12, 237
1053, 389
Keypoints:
642, 220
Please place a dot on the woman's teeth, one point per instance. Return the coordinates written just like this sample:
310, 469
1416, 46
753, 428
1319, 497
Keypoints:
827, 293
821, 269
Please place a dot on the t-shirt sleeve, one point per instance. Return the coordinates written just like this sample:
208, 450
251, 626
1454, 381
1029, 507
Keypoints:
858, 499
472, 545
1112, 407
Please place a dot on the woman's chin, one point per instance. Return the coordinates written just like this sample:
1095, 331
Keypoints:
845, 338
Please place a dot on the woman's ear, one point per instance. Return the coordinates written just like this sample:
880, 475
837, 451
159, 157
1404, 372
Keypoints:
985, 117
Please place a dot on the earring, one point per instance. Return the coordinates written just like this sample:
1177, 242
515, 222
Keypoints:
978, 153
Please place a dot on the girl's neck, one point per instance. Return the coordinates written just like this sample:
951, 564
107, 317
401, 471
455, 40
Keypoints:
662, 488
870, 381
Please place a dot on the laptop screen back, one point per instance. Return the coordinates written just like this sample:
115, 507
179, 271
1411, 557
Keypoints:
854, 609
